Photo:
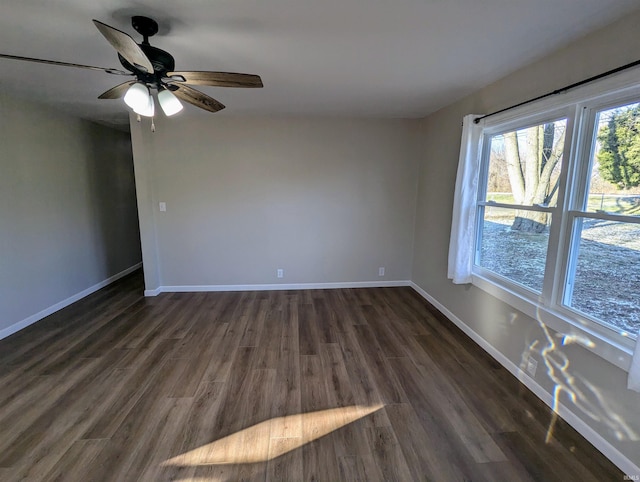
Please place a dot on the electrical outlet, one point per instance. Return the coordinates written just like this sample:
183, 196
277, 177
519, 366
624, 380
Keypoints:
280, 273
162, 206
532, 365
381, 271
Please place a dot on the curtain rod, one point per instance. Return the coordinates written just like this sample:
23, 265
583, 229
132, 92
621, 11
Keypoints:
563, 89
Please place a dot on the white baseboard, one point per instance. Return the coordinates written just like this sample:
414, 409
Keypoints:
273, 287
599, 442
10, 330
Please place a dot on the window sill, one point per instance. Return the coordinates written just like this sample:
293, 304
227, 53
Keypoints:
617, 352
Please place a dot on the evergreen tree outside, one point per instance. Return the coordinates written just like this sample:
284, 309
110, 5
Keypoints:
619, 154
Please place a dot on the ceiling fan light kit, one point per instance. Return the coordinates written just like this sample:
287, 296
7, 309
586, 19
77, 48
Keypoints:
137, 97
153, 69
147, 110
168, 102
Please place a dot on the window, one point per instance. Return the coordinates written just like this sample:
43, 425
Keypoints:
522, 172
558, 210
603, 280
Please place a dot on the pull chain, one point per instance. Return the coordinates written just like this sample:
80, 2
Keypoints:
153, 126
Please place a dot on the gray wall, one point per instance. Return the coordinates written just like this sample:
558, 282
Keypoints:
327, 200
68, 216
508, 330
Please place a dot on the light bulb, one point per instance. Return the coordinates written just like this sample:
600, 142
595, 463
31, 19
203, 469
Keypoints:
169, 102
148, 109
137, 96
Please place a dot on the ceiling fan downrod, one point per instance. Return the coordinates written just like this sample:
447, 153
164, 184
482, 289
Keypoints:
145, 26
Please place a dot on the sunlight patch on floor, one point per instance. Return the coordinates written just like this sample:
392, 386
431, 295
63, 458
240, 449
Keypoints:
252, 444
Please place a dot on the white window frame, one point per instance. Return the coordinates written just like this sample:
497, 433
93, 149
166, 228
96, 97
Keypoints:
579, 107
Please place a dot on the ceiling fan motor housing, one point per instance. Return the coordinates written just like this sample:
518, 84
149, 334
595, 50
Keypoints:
161, 60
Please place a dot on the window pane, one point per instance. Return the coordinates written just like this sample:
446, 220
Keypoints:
513, 253
615, 166
606, 284
524, 165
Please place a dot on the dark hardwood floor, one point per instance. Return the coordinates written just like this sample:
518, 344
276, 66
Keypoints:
350, 384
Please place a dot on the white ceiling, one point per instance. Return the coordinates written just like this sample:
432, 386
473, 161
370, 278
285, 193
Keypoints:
393, 58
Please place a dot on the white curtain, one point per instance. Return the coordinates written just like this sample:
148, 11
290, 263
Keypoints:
461, 244
633, 382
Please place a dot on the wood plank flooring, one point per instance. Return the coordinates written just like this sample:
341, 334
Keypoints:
326, 385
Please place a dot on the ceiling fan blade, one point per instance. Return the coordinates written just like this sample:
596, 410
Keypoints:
126, 46
197, 98
65, 64
117, 91
216, 79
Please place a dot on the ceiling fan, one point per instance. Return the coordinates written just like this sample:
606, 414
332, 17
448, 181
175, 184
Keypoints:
154, 70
